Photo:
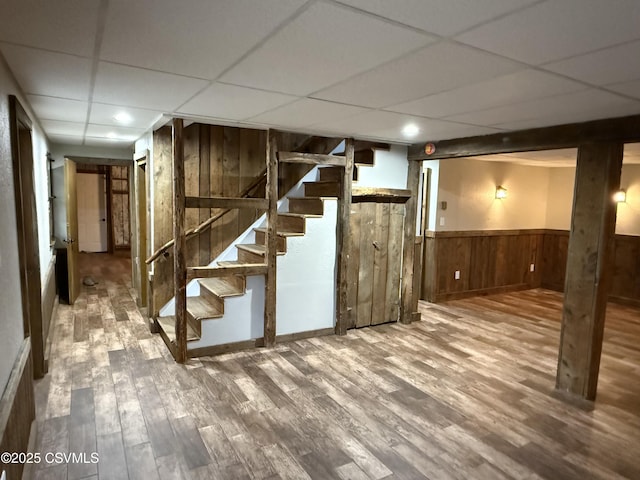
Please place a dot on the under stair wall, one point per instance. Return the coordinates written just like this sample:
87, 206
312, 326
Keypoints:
305, 283
218, 161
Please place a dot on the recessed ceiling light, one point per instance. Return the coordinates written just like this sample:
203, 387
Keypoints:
410, 130
122, 117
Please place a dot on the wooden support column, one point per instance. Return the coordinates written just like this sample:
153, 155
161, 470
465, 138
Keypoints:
179, 261
588, 268
343, 245
271, 240
408, 246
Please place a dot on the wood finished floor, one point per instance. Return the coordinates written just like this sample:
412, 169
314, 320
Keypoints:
464, 394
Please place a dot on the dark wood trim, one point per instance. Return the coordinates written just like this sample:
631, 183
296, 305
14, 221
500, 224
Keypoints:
17, 409
311, 159
258, 342
110, 235
271, 240
20, 128
622, 129
633, 302
227, 202
486, 233
380, 195
408, 246
344, 315
48, 307
179, 251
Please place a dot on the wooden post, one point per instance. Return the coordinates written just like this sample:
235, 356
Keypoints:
588, 268
343, 244
179, 265
271, 241
408, 247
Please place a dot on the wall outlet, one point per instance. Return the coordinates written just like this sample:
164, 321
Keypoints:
532, 267
442, 221
457, 275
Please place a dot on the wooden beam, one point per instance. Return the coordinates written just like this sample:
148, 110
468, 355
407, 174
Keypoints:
311, 158
588, 268
364, 157
387, 195
408, 247
271, 240
624, 130
227, 270
360, 145
343, 244
226, 202
179, 249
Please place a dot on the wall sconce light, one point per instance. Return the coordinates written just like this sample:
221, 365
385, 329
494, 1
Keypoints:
620, 196
501, 192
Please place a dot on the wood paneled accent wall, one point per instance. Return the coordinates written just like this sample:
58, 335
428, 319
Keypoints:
120, 206
497, 261
17, 410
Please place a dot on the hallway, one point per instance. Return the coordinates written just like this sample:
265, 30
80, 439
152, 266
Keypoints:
465, 394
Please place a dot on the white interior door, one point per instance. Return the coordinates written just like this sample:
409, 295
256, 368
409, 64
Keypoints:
92, 212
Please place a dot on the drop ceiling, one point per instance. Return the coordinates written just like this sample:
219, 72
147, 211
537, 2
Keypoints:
365, 68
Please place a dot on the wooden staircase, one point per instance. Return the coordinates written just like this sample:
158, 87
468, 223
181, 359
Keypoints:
209, 304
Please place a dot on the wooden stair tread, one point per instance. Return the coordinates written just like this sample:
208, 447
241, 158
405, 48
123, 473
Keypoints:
199, 308
255, 248
229, 263
168, 325
220, 287
282, 233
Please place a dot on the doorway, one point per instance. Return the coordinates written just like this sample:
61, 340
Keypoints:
92, 212
27, 232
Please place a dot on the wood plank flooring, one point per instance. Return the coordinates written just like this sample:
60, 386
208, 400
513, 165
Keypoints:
464, 394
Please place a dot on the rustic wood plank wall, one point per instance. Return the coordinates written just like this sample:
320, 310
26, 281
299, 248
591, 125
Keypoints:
497, 261
219, 161
120, 206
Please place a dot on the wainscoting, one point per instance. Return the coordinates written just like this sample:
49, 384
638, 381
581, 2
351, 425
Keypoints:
17, 410
497, 261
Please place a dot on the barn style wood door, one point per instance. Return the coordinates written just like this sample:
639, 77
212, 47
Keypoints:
374, 273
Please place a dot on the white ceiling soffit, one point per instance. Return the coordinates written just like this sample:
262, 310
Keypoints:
100, 72
565, 157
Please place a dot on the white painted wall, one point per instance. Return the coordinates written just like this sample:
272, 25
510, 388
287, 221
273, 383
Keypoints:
468, 187
389, 169
560, 198
628, 218
11, 323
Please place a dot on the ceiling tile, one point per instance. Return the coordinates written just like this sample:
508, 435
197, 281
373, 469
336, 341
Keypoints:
140, 118
432, 69
233, 102
322, 46
68, 26
113, 132
442, 17
553, 30
197, 38
57, 127
379, 124
136, 87
52, 74
611, 65
107, 142
66, 139
628, 88
514, 88
585, 105
305, 112
53, 108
